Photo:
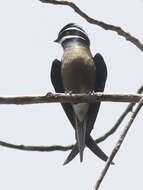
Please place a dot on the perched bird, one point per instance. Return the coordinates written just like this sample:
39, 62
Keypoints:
79, 72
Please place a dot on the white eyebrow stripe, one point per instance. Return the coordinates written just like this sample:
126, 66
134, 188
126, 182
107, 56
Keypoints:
74, 28
69, 37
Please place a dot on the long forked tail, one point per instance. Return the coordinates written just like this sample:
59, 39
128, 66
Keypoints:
95, 149
92, 146
80, 131
72, 154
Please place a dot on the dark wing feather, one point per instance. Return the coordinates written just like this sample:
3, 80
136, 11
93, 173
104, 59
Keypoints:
56, 76
101, 75
58, 86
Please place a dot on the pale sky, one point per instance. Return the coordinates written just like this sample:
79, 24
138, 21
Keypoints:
28, 29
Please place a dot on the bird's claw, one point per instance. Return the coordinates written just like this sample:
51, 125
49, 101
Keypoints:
49, 94
92, 92
68, 93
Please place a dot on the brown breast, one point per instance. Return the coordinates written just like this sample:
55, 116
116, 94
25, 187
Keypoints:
78, 70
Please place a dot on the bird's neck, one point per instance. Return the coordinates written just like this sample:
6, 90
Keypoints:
74, 42
75, 50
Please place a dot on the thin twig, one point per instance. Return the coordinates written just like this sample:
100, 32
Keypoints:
119, 121
66, 148
104, 25
36, 148
118, 144
71, 98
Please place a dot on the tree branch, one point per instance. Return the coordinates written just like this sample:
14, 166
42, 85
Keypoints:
66, 148
118, 144
119, 121
71, 98
103, 25
36, 148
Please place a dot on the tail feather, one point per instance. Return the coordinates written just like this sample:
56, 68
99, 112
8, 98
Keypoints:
72, 154
95, 149
90, 143
80, 131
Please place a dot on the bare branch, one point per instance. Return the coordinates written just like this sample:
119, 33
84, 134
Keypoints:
36, 148
103, 25
71, 98
119, 121
66, 148
118, 144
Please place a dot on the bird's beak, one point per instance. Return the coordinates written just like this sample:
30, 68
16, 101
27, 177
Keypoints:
56, 40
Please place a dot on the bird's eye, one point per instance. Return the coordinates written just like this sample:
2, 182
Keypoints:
68, 32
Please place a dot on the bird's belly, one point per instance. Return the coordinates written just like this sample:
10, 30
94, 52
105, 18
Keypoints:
78, 76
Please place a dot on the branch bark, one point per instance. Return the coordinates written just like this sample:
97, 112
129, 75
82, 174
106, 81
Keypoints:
66, 148
103, 25
36, 148
118, 144
71, 98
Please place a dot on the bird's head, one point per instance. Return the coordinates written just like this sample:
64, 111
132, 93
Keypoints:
72, 33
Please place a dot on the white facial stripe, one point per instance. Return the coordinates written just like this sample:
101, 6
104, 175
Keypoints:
74, 28
69, 37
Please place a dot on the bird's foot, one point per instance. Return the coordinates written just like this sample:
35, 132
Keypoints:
68, 93
92, 92
49, 94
